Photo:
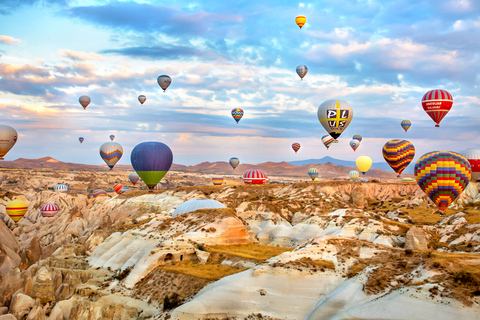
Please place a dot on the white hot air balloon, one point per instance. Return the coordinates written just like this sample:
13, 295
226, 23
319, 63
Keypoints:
142, 98
335, 116
302, 71
111, 152
8, 138
84, 101
164, 82
354, 143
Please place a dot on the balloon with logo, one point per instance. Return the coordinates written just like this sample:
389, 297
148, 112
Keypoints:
357, 137
134, 177
8, 138
81, 139
398, 154
363, 163
142, 99
443, 175
111, 152
296, 146
300, 21
406, 124
84, 101
164, 82
327, 140
354, 175
354, 143
313, 173
335, 116
436, 104
237, 114
302, 71
151, 161
234, 162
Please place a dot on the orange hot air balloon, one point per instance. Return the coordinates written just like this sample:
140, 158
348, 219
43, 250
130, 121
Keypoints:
296, 146
16, 209
300, 21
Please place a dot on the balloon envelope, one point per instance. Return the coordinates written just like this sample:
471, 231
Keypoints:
49, 210
335, 116
81, 139
118, 187
398, 154
237, 114
234, 162
302, 71
164, 82
142, 98
436, 104
300, 21
296, 146
473, 157
8, 138
327, 140
112, 137
197, 204
442, 175
16, 209
217, 181
313, 173
354, 175
406, 124
357, 137
254, 176
99, 192
363, 164
84, 101
61, 188
151, 161
354, 143
134, 177
111, 152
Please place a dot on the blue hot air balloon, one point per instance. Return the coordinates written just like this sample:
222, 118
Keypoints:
151, 160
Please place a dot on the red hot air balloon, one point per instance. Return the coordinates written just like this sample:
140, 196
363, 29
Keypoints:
254, 176
436, 104
296, 146
49, 210
118, 188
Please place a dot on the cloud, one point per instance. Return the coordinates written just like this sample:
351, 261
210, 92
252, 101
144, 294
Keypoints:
160, 52
9, 40
10, 6
80, 56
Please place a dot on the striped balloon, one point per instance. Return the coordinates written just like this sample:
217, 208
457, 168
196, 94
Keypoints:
16, 209
158, 186
313, 173
49, 210
99, 192
296, 146
111, 152
61, 188
357, 137
408, 180
217, 181
473, 156
398, 154
354, 175
237, 114
118, 187
406, 124
254, 176
443, 175
436, 104
327, 140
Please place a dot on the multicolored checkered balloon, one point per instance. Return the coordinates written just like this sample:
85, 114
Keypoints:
443, 176
398, 154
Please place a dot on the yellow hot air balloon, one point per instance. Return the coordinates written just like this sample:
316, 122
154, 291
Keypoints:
363, 163
16, 209
300, 21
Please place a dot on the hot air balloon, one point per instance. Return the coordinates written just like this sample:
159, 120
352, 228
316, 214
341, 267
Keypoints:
313, 173
142, 98
302, 71
335, 116
197, 204
217, 181
164, 82
296, 146
81, 139
327, 140
300, 21
354, 143
118, 187
363, 163
234, 162
84, 101
8, 138
354, 175
16, 209
398, 154
111, 152
237, 114
124, 189
134, 177
436, 104
254, 176
42, 162
61, 188
49, 210
442, 175
99, 192
158, 186
357, 137
112, 137
408, 180
406, 124
473, 157
151, 160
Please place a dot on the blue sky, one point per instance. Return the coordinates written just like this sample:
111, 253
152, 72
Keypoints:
380, 56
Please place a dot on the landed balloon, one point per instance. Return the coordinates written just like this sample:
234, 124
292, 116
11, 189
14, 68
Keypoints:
84, 101
398, 154
134, 177
124, 189
49, 210
363, 164
112, 137
234, 162
151, 161
357, 137
197, 204
164, 82
254, 176
158, 186
335, 116
16, 209
436, 104
81, 139
217, 181
118, 187
8, 138
302, 71
406, 124
237, 114
473, 157
313, 173
300, 21
296, 146
443, 175
408, 180
99, 192
327, 140
354, 143
142, 99
354, 175
61, 188
111, 152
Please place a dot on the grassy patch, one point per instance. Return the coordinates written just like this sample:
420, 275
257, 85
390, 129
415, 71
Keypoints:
203, 271
249, 251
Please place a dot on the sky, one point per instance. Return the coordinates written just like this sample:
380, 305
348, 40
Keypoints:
380, 56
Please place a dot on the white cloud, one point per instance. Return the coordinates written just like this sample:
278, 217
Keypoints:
9, 40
